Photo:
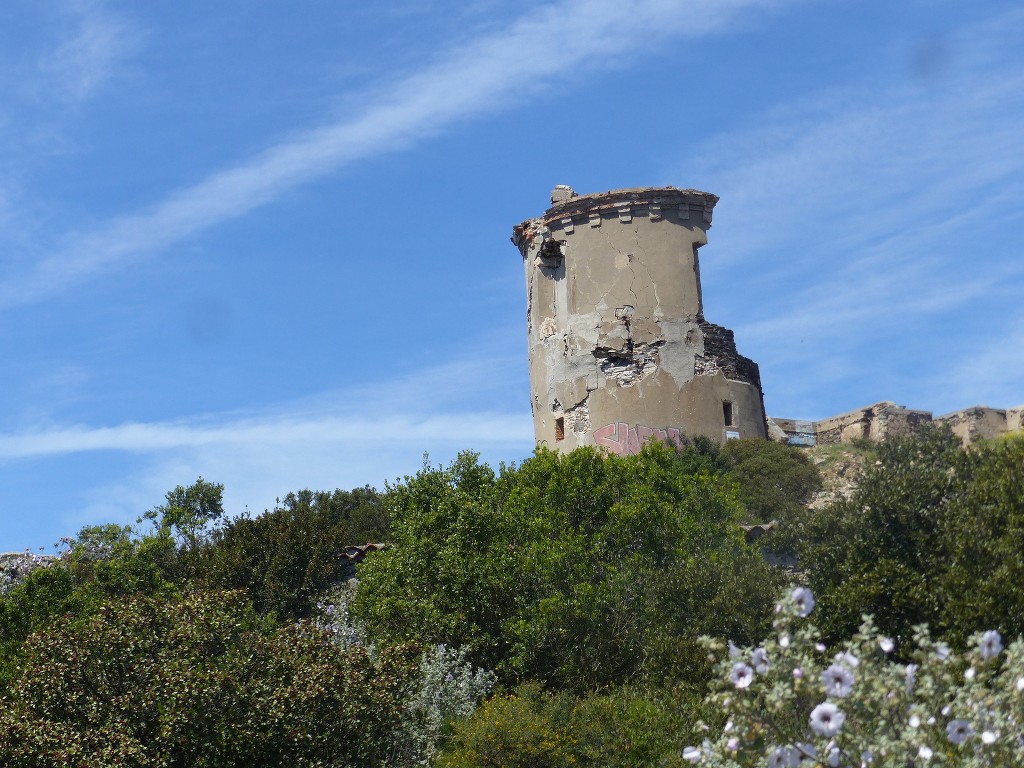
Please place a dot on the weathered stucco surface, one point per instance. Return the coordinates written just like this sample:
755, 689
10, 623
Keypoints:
619, 348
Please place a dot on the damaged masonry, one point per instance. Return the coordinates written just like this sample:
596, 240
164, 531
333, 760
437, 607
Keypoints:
619, 348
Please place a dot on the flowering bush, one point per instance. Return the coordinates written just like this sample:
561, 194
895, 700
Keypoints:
795, 702
16, 566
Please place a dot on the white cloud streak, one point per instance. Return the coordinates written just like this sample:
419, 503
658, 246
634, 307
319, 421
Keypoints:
281, 432
92, 55
338, 439
483, 76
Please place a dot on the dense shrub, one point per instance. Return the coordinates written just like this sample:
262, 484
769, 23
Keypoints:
931, 535
622, 728
775, 480
199, 682
580, 570
288, 556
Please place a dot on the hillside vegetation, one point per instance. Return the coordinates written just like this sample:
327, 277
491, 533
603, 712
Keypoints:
572, 610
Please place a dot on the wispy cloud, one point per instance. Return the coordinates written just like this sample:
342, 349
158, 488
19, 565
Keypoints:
489, 74
281, 432
98, 43
873, 213
343, 438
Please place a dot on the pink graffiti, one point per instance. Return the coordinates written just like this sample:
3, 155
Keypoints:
624, 440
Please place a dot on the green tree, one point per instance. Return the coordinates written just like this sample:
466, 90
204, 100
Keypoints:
579, 570
198, 681
102, 562
285, 558
188, 512
775, 480
931, 535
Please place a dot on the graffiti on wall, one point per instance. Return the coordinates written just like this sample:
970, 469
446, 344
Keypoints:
624, 440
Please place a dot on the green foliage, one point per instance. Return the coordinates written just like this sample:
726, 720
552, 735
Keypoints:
447, 688
103, 562
525, 729
580, 570
775, 480
931, 535
286, 557
198, 682
188, 511
619, 729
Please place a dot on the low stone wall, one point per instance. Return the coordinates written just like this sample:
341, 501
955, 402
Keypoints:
977, 423
878, 421
874, 422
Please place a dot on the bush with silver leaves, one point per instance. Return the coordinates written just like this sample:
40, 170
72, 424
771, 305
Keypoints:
794, 702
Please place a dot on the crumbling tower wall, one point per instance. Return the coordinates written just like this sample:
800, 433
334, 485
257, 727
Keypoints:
619, 348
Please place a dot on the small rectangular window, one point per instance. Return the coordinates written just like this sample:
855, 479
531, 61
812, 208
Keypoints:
560, 428
727, 413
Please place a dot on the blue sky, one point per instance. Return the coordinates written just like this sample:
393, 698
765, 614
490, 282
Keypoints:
268, 243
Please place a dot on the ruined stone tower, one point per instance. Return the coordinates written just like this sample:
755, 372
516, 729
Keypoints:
619, 348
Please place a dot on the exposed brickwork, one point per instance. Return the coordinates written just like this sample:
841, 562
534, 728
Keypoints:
720, 346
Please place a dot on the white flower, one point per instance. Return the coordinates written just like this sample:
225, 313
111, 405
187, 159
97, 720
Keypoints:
779, 758
915, 721
1020, 683
805, 751
827, 719
728, 727
797, 673
925, 752
969, 673
784, 641
692, 754
834, 756
804, 601
742, 675
946, 710
991, 645
848, 659
958, 731
838, 681
819, 647
732, 744
988, 737
886, 644
760, 661
930, 721
733, 650
866, 757
789, 756
942, 651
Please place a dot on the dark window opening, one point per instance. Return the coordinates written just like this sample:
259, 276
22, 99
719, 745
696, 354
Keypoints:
560, 428
727, 413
